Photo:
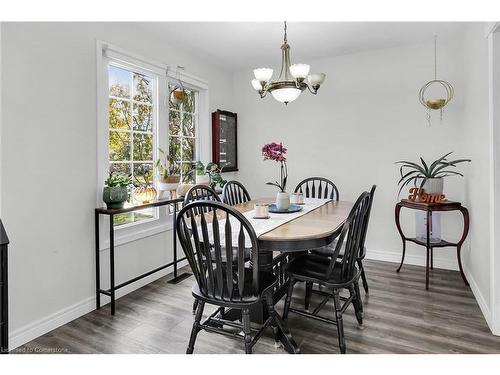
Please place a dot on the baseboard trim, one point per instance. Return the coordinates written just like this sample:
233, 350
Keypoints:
481, 301
415, 260
42, 326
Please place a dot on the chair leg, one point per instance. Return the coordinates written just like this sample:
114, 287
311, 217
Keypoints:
288, 299
195, 305
360, 300
356, 302
245, 314
307, 301
274, 323
196, 326
363, 276
339, 320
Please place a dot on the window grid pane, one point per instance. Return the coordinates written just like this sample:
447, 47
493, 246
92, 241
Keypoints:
132, 133
182, 131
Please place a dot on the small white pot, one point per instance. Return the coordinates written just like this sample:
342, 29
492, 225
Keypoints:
202, 179
282, 200
434, 186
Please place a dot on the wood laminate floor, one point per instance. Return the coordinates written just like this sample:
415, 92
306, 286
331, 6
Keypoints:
400, 317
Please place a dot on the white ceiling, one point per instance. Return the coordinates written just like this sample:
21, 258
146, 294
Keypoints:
242, 45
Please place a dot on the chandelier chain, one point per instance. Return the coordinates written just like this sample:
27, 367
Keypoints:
285, 37
435, 57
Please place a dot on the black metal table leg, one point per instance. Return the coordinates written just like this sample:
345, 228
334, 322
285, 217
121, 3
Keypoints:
112, 263
177, 278
4, 302
97, 263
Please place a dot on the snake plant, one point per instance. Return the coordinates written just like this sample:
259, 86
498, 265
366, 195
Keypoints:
441, 167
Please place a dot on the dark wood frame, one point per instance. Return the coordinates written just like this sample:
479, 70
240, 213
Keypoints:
4, 300
216, 138
429, 208
113, 288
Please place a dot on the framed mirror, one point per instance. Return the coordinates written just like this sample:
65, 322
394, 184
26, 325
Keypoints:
224, 139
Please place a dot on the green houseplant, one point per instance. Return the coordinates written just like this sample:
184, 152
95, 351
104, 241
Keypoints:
428, 175
115, 192
201, 176
214, 173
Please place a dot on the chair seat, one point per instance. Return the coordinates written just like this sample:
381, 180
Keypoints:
266, 281
247, 254
313, 267
330, 248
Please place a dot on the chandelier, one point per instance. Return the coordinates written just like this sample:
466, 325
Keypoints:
291, 81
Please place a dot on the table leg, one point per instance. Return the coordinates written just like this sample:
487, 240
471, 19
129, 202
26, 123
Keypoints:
177, 278
432, 258
97, 264
112, 263
465, 214
403, 238
428, 248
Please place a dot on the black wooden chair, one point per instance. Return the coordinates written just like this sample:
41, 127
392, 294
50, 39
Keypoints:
334, 273
330, 248
318, 187
234, 284
234, 193
200, 193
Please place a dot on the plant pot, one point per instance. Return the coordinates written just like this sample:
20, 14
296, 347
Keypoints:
176, 96
202, 179
145, 194
283, 200
170, 183
434, 186
115, 196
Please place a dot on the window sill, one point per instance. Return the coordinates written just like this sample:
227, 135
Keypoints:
135, 232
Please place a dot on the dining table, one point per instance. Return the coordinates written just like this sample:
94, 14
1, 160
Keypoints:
315, 228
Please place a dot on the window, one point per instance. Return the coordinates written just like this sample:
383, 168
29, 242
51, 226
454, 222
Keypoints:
183, 131
135, 120
131, 114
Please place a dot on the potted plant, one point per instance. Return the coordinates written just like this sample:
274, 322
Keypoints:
214, 173
201, 176
115, 192
276, 152
169, 172
429, 175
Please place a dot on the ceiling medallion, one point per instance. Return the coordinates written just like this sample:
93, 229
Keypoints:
445, 87
291, 81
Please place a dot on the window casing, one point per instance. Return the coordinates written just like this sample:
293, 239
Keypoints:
107, 55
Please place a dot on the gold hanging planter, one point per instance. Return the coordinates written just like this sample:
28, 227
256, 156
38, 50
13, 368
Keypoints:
432, 102
177, 93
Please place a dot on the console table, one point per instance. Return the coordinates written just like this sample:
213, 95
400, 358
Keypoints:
113, 288
429, 208
4, 296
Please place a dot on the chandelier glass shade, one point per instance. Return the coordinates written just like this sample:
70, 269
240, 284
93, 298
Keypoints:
292, 80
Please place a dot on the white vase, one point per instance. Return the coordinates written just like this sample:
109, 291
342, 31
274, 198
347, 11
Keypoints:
282, 201
434, 186
166, 186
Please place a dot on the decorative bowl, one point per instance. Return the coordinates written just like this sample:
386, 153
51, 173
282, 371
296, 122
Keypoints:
293, 208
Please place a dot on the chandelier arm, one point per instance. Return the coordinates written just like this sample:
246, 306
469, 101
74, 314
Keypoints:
311, 90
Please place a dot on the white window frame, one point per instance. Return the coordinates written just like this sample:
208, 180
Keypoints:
104, 52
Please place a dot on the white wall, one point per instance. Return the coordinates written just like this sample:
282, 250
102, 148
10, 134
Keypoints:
364, 118
476, 146
48, 171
